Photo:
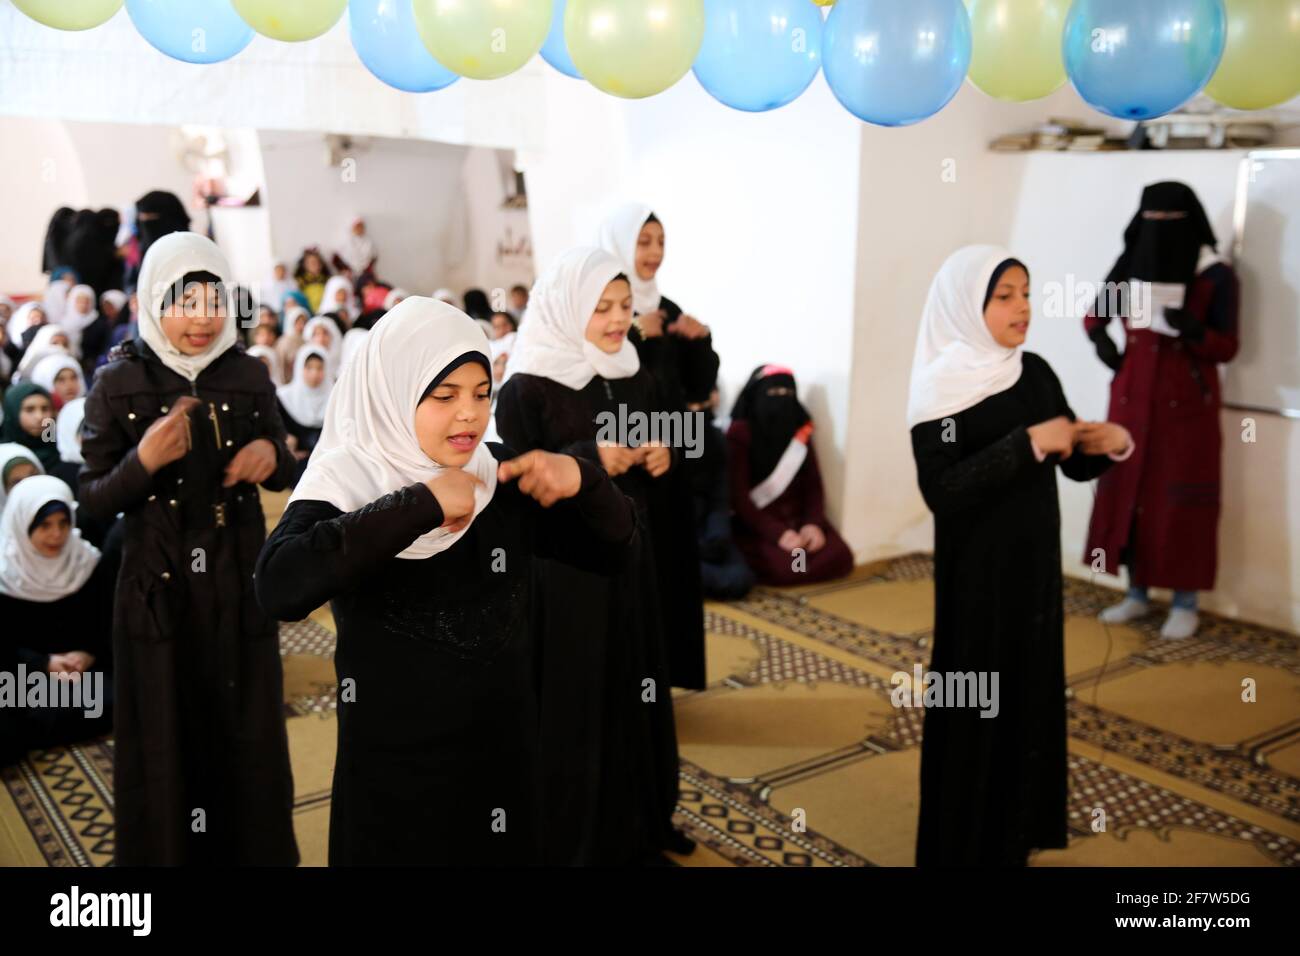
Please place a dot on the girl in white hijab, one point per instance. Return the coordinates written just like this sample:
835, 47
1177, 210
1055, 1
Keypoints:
304, 400
574, 384
293, 338
990, 425
340, 298
31, 573
23, 318
49, 340
48, 373
397, 523
324, 331
55, 300
17, 463
619, 235
79, 314
68, 431
271, 359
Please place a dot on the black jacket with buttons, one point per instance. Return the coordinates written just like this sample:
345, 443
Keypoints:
200, 711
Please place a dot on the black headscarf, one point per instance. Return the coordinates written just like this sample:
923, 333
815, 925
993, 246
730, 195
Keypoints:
1164, 250
463, 359
55, 236
159, 214
773, 420
477, 305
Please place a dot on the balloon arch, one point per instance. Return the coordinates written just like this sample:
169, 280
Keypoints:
889, 62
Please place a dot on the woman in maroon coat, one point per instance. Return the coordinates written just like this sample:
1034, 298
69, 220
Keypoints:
776, 486
1158, 513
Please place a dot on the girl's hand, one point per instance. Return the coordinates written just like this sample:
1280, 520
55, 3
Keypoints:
80, 660
657, 460
789, 540
619, 459
454, 488
651, 324
1055, 436
168, 439
254, 463
1103, 438
545, 477
814, 539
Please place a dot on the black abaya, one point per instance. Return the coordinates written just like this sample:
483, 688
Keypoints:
992, 789
609, 756
438, 713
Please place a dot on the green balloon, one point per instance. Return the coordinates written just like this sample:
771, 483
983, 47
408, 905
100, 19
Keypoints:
634, 48
483, 39
1016, 47
290, 20
70, 14
1261, 63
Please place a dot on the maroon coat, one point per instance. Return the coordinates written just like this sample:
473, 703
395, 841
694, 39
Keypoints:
1158, 512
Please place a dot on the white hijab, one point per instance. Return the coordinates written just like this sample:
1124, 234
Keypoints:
166, 262
357, 251
67, 431
958, 363
268, 354
27, 574
74, 322
42, 347
354, 341
335, 348
368, 447
55, 299
332, 287
8, 452
20, 319
307, 405
115, 297
46, 370
618, 236
552, 338
397, 294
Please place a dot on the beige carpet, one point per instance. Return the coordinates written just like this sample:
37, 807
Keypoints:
794, 755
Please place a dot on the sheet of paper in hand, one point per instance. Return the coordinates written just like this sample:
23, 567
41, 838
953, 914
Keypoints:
1148, 304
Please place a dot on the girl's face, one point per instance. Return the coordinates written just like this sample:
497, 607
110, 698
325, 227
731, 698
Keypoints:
60, 341
35, 317
607, 328
300, 322
501, 326
84, 303
340, 296
51, 535
108, 310
67, 385
322, 337
33, 414
264, 335
313, 372
280, 271
193, 323
650, 250
5, 311
449, 423
1007, 314
313, 263
19, 472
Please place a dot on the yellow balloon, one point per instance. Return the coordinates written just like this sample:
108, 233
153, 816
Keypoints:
290, 20
634, 48
483, 39
70, 14
1261, 63
1016, 44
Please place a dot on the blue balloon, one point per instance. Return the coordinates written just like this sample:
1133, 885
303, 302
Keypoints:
1141, 60
759, 55
195, 31
555, 50
389, 45
895, 63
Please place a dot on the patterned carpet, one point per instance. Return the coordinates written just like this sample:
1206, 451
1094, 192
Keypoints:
794, 755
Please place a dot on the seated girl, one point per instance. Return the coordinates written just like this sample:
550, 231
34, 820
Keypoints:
61, 376
776, 486
16, 464
29, 421
324, 332
55, 601
303, 402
